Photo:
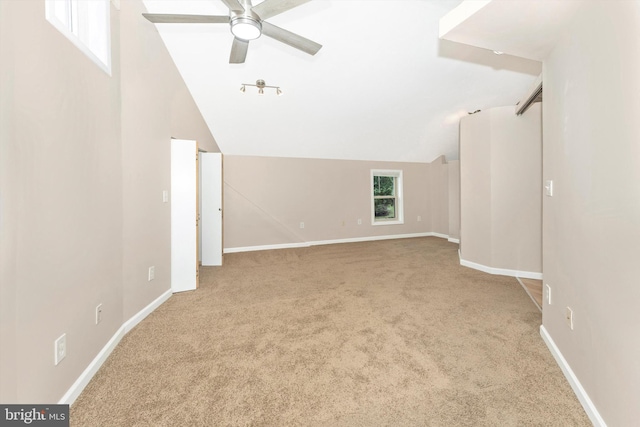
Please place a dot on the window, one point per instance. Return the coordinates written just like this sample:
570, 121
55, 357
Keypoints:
386, 197
86, 24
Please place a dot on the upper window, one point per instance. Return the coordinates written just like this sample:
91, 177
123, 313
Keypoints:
386, 197
86, 24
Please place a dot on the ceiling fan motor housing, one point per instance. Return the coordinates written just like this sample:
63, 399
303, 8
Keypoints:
245, 25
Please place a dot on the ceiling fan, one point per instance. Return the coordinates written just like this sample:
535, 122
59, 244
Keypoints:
247, 23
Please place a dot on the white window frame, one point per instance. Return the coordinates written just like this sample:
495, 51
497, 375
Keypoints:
70, 28
399, 203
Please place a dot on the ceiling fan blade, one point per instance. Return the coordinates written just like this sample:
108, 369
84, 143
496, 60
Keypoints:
170, 18
238, 51
269, 8
292, 39
234, 5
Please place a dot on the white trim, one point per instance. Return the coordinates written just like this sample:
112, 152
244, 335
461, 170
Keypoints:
139, 317
501, 271
440, 235
453, 240
83, 380
265, 247
332, 242
387, 222
370, 238
583, 397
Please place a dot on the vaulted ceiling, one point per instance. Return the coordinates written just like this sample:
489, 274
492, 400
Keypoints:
383, 86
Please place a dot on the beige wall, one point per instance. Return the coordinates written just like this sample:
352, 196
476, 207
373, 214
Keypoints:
592, 223
454, 199
475, 188
266, 198
84, 160
156, 105
500, 169
439, 196
516, 189
8, 222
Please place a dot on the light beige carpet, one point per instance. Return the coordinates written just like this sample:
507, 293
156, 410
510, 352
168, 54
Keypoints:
388, 333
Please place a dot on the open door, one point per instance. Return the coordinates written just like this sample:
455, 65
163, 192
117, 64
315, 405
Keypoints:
184, 215
211, 208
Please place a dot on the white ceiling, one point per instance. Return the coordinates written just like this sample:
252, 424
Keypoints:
383, 87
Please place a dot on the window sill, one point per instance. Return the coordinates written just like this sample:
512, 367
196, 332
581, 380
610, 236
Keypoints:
383, 222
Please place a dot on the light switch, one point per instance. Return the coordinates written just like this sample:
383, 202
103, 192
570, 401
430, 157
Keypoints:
165, 196
548, 187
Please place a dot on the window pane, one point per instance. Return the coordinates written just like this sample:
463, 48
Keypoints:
86, 24
92, 27
60, 10
383, 186
385, 208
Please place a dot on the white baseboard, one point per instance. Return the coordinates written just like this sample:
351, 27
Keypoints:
440, 235
139, 317
454, 240
333, 242
369, 239
501, 271
83, 380
266, 247
583, 397
74, 391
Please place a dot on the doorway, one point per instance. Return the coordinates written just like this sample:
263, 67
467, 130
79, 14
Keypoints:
196, 212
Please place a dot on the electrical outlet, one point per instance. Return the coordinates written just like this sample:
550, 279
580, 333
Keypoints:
302, 225
60, 349
165, 196
547, 290
152, 273
419, 218
98, 313
359, 221
569, 317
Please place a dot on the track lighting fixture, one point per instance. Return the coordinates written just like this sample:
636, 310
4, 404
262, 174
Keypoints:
261, 85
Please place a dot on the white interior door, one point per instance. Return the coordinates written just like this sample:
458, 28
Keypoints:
211, 208
184, 205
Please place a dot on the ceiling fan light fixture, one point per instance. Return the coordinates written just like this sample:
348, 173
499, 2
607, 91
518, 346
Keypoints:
246, 28
261, 91
243, 88
278, 91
